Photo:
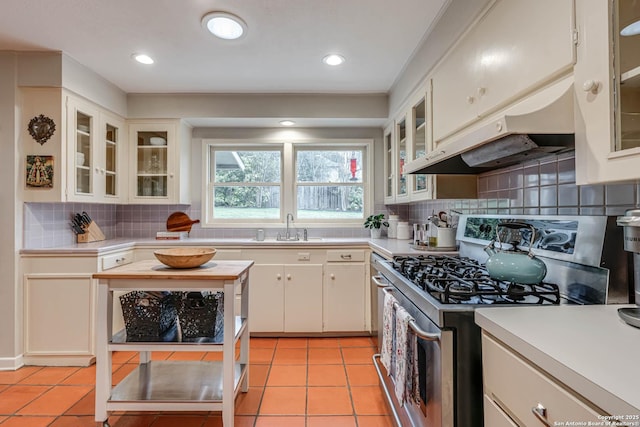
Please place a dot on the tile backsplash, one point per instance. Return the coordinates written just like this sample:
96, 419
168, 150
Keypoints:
543, 187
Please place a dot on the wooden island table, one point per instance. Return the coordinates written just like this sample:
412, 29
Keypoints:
174, 385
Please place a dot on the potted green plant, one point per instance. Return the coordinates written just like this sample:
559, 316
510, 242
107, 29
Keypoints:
375, 223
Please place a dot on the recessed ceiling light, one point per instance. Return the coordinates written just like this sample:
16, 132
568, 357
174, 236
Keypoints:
142, 58
632, 29
287, 122
224, 25
333, 59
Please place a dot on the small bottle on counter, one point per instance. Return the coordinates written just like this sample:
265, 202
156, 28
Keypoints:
260, 235
403, 231
392, 231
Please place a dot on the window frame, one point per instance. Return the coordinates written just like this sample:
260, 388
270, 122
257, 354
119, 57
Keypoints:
289, 187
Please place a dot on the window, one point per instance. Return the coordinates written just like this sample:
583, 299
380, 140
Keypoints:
246, 184
329, 183
320, 183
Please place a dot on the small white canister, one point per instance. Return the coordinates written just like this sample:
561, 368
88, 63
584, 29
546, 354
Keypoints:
392, 231
403, 231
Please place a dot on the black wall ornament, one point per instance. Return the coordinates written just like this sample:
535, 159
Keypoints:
41, 128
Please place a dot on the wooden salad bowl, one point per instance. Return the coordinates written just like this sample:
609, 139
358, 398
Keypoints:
184, 257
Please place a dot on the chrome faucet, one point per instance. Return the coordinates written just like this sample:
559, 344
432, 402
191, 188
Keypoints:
287, 234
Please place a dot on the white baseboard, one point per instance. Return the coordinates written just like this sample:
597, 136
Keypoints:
55, 360
11, 363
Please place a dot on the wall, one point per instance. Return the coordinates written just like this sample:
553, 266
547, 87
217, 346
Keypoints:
47, 224
10, 215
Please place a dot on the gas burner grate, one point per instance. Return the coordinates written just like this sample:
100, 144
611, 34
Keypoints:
454, 280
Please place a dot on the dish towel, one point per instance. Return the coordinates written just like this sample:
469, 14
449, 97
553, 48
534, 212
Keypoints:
388, 335
403, 366
413, 384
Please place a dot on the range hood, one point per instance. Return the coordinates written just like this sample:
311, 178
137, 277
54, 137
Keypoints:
536, 127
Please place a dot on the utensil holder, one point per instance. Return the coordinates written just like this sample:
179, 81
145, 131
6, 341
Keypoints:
92, 233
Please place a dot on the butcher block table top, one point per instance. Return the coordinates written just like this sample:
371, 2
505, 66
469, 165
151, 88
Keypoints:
155, 270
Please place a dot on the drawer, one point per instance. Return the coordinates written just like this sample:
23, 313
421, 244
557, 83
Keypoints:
494, 416
115, 260
518, 386
347, 255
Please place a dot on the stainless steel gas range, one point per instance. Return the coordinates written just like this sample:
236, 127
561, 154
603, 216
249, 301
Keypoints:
441, 292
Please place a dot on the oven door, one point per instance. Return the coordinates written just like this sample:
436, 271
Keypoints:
435, 368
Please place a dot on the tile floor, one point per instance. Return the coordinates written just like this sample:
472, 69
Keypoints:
294, 382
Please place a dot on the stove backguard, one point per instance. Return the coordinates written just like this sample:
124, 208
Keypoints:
572, 247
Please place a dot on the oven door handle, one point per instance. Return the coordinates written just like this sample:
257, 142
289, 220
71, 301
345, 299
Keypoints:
420, 333
377, 280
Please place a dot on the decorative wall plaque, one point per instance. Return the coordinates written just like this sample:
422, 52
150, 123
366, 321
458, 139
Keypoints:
41, 128
40, 171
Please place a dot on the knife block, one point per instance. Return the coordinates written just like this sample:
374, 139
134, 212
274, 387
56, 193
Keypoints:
92, 233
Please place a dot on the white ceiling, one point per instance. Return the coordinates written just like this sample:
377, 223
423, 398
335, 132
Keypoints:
281, 53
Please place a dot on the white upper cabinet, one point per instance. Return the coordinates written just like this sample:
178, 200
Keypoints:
96, 142
159, 162
607, 92
515, 47
419, 143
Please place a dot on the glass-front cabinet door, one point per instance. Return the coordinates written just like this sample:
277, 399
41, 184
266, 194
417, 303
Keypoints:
388, 164
628, 68
420, 129
84, 136
112, 146
402, 189
82, 125
607, 82
152, 156
152, 162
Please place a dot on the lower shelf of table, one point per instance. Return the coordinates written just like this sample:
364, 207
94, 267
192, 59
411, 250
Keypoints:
119, 341
166, 385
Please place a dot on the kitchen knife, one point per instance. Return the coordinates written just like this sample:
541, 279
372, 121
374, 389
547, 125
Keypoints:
77, 220
87, 219
76, 228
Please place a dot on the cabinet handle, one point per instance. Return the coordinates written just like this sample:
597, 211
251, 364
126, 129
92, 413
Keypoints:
347, 256
541, 414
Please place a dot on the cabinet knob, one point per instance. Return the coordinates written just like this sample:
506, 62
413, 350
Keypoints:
481, 91
288, 277
170, 175
498, 127
279, 277
591, 86
333, 276
470, 100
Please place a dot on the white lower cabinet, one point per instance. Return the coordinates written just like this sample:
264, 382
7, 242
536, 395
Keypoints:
303, 298
524, 394
266, 299
286, 298
59, 306
345, 292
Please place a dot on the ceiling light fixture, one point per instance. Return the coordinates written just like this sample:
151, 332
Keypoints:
632, 29
287, 122
224, 25
142, 58
333, 59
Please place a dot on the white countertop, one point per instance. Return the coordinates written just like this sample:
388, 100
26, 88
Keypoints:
385, 247
588, 348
